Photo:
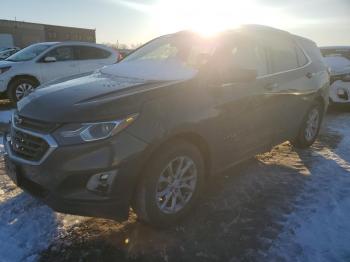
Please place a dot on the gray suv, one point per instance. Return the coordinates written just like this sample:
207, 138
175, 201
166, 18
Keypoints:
149, 131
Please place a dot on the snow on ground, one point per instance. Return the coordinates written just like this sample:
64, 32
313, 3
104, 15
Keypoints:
320, 229
27, 226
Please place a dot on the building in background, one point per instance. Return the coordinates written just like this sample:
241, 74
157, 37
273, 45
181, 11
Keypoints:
22, 34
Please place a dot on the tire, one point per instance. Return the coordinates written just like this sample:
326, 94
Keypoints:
309, 129
24, 84
159, 211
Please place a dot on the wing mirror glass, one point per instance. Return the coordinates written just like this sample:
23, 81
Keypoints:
50, 59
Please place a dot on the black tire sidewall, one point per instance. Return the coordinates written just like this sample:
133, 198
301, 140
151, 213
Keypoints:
158, 163
301, 141
11, 93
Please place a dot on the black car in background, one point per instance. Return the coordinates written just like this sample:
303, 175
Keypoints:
149, 131
6, 52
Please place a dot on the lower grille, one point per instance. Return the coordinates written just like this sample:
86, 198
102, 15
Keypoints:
28, 146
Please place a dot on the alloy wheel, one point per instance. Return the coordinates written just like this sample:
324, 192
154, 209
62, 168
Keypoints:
176, 185
312, 124
23, 89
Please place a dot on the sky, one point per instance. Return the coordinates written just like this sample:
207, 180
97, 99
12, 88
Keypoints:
327, 22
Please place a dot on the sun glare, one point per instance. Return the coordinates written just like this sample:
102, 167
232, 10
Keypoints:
209, 17
206, 17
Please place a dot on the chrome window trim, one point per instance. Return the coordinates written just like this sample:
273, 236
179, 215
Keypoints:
290, 70
48, 138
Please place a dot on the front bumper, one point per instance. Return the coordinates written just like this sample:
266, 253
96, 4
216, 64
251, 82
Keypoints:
3, 85
61, 180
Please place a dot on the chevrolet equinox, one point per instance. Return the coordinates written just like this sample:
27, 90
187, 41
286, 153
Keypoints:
149, 131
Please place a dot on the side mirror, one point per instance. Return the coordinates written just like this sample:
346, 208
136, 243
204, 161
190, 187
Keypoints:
50, 59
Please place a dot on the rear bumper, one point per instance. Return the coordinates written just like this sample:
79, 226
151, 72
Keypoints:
63, 180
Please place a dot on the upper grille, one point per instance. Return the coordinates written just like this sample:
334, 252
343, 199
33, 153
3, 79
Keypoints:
32, 124
28, 146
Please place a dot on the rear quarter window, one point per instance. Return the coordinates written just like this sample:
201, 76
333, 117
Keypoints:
302, 59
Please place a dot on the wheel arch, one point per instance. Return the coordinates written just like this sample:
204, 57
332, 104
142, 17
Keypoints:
320, 100
188, 136
17, 77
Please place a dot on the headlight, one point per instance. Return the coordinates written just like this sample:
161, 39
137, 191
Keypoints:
4, 69
94, 131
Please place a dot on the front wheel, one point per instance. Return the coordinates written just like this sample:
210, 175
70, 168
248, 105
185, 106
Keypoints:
310, 127
172, 184
21, 87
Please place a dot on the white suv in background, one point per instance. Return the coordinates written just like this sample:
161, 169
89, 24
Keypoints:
338, 60
40, 63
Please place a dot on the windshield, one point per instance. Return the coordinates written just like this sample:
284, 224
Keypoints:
28, 53
189, 50
336, 53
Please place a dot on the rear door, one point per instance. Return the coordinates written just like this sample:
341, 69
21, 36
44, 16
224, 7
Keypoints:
65, 64
287, 84
92, 58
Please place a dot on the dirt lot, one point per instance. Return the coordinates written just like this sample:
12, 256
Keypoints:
284, 205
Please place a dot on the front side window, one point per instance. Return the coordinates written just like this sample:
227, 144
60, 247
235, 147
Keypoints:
241, 53
62, 53
28, 53
89, 52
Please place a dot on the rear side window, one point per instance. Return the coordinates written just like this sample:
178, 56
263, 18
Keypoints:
62, 53
89, 52
283, 55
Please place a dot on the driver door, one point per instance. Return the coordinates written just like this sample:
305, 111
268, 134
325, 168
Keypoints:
64, 65
243, 106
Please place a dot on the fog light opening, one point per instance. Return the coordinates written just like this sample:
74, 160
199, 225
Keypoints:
101, 183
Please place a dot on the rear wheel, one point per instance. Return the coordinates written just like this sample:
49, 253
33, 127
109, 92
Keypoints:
310, 127
21, 87
172, 184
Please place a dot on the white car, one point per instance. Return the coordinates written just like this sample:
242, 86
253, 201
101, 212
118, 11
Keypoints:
338, 60
34, 65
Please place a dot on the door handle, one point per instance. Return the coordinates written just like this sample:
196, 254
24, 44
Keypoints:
271, 86
309, 75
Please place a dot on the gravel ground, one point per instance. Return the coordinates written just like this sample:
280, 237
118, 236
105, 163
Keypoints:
284, 205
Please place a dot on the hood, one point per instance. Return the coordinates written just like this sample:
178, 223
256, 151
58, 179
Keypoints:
338, 64
5, 63
90, 98
147, 69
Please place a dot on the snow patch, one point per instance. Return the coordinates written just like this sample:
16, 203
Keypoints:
320, 230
